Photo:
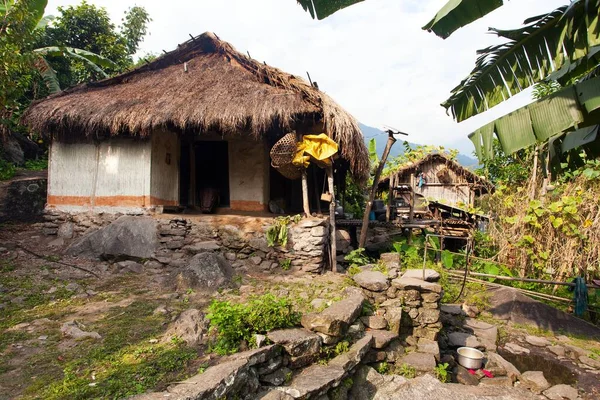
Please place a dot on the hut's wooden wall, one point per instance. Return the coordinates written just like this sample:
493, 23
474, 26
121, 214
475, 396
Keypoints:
457, 191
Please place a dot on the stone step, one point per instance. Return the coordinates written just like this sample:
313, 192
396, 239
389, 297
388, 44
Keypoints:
427, 274
314, 381
335, 320
417, 284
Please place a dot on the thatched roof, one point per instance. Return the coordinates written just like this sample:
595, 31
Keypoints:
205, 84
412, 167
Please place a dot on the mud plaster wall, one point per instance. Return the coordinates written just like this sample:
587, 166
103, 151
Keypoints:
164, 180
248, 175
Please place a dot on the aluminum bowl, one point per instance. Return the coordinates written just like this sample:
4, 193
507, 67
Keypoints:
470, 358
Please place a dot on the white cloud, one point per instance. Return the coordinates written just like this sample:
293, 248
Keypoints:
373, 57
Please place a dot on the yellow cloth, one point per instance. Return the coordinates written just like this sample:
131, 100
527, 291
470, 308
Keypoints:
320, 147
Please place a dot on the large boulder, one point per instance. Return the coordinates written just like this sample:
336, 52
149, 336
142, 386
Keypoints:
190, 327
374, 281
127, 237
335, 320
204, 271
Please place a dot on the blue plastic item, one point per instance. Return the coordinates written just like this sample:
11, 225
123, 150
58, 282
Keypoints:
372, 216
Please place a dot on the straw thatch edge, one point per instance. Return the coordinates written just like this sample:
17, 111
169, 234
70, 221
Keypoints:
339, 124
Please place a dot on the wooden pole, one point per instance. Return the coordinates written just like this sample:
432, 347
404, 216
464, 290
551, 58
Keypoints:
388, 212
411, 210
365, 224
332, 238
317, 194
192, 174
534, 174
305, 203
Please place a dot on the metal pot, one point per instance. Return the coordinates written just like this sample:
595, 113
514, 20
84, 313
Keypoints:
470, 358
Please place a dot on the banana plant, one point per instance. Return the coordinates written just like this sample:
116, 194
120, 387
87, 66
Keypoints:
321, 9
92, 60
457, 13
557, 45
36, 8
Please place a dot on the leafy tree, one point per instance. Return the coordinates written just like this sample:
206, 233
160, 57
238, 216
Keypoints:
89, 28
511, 169
17, 22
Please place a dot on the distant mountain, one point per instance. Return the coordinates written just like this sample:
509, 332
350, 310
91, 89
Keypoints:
398, 148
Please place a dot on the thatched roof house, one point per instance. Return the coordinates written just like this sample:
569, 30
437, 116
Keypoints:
437, 177
148, 136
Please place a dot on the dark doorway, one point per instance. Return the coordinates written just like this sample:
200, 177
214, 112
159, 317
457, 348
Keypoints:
212, 169
204, 165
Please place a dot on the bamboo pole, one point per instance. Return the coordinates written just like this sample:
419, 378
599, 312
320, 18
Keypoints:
365, 224
524, 291
305, 204
332, 238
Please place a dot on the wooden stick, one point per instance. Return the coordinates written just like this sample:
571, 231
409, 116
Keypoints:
332, 238
534, 174
365, 224
305, 203
316, 186
524, 291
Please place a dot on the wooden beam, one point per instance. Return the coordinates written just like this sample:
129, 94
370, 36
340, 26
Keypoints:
332, 237
365, 224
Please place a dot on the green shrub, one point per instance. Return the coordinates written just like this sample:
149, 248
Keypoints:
383, 368
7, 170
358, 258
441, 372
234, 323
37, 165
353, 270
286, 264
407, 371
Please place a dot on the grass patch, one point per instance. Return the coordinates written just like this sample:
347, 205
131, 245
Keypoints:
121, 365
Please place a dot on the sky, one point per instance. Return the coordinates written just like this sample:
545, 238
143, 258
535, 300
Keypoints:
373, 57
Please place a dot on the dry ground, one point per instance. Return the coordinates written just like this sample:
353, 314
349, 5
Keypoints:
131, 313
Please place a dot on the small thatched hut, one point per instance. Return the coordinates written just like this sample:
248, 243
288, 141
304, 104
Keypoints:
203, 115
436, 177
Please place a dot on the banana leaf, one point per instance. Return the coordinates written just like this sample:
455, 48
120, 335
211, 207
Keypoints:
48, 75
547, 44
321, 9
457, 13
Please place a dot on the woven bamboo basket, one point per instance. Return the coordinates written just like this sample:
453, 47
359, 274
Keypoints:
282, 154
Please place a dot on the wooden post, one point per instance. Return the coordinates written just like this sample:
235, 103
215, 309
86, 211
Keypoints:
305, 203
390, 198
192, 174
534, 174
411, 212
332, 238
365, 224
317, 194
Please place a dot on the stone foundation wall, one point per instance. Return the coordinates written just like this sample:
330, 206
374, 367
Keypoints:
242, 240
23, 199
